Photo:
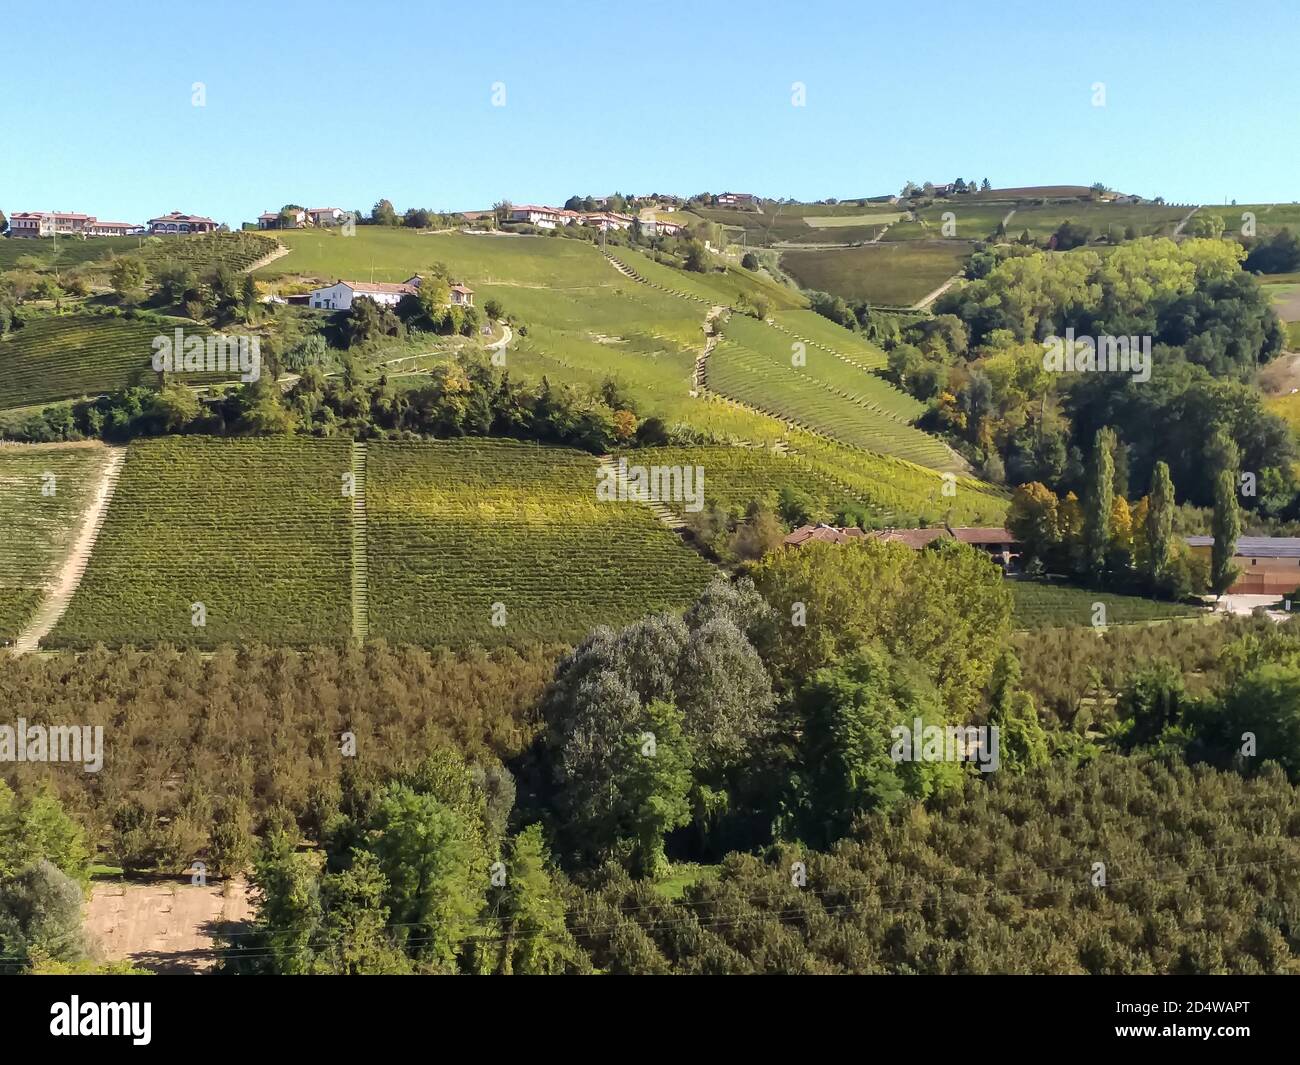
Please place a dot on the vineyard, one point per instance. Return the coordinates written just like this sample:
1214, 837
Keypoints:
71, 251
463, 534
257, 532
203, 253
904, 493
43, 491
70, 356
735, 476
755, 365
1042, 605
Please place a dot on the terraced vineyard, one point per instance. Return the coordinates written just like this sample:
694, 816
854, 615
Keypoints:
1038, 604
457, 527
257, 531
753, 364
733, 476
70, 356
43, 492
903, 493
205, 252
70, 251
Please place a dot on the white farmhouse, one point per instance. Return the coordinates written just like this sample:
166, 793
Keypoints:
339, 296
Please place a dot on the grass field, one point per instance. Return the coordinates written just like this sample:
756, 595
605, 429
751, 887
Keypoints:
70, 356
805, 223
458, 527
71, 251
1038, 604
1103, 218
893, 275
258, 531
43, 492
1269, 217
971, 221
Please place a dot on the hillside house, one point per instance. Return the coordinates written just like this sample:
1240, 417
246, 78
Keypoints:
609, 220
737, 199
823, 534
1268, 565
176, 222
339, 296
542, 217
271, 220
654, 227
462, 296
325, 216
67, 223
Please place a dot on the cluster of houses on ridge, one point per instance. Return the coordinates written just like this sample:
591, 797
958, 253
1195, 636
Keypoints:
554, 217
33, 224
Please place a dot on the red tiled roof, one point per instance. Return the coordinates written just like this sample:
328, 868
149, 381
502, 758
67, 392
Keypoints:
913, 538
984, 535
828, 534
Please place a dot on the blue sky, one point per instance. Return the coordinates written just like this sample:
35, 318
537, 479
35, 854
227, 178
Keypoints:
332, 104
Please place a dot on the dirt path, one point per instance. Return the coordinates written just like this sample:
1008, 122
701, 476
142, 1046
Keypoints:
1186, 218
280, 252
168, 926
925, 301
52, 608
711, 338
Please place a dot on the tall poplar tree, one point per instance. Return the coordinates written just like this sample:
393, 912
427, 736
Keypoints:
1160, 524
1100, 500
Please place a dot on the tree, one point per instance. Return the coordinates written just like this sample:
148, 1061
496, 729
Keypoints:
382, 214
1033, 520
433, 864
1020, 735
848, 712
697, 257
657, 782
1160, 525
1099, 503
534, 940
128, 277
175, 406
4, 224
40, 913
985, 186
1226, 521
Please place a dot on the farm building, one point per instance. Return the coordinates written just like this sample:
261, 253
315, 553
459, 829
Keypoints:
823, 534
325, 216
177, 222
997, 543
271, 220
542, 217
1269, 565
66, 223
339, 296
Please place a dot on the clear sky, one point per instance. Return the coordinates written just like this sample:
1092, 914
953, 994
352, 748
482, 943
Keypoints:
338, 104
